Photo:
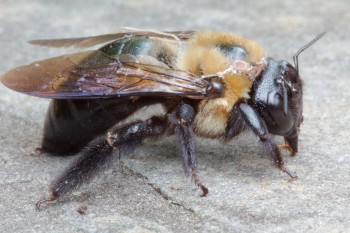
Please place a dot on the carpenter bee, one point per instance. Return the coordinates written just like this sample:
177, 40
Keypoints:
210, 84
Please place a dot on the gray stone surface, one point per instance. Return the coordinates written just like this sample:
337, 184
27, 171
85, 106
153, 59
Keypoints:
148, 191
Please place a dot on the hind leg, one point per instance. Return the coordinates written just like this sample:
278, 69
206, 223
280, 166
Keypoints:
101, 152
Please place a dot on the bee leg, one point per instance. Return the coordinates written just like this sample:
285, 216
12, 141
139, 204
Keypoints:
253, 121
93, 158
236, 124
291, 142
99, 154
183, 130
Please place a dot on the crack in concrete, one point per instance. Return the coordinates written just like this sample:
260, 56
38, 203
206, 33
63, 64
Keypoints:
153, 186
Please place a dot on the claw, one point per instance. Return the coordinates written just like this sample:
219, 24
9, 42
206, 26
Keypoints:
39, 203
204, 190
292, 176
288, 147
198, 183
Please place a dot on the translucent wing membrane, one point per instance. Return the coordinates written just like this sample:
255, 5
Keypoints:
93, 74
84, 42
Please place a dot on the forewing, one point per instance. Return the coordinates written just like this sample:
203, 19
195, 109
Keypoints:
84, 42
93, 74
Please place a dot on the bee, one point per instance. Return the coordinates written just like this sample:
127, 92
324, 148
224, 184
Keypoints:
210, 84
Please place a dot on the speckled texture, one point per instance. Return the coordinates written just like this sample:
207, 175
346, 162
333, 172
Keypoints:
148, 192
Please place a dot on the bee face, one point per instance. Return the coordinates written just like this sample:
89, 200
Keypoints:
277, 97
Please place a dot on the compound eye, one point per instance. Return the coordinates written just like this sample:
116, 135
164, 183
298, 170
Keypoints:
283, 121
291, 74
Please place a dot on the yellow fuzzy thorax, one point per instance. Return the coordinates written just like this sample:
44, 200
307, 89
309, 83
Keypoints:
203, 57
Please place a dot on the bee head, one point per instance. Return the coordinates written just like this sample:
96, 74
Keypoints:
277, 97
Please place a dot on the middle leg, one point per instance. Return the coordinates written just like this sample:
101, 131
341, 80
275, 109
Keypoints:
182, 120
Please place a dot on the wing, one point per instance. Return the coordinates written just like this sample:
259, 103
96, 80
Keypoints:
84, 42
93, 74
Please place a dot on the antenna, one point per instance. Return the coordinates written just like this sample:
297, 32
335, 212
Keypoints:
295, 56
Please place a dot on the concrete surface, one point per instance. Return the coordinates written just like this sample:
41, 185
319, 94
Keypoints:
148, 191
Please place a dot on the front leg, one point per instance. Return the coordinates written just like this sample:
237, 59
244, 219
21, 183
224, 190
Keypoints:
247, 117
